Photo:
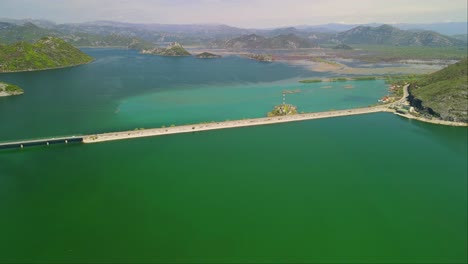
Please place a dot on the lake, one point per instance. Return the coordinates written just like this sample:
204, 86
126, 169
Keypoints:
374, 188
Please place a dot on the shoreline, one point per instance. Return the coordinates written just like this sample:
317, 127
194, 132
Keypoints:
46, 69
5, 94
434, 121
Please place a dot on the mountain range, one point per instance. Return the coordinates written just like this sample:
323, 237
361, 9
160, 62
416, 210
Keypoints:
254, 41
445, 28
109, 33
388, 35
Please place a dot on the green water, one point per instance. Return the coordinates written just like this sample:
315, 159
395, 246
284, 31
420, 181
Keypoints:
361, 189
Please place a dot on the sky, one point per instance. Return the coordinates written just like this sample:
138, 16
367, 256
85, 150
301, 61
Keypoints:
240, 13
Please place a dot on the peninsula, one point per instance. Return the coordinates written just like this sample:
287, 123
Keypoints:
9, 89
46, 53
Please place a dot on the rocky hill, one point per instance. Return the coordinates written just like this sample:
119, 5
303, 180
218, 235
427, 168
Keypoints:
46, 53
388, 35
443, 93
254, 41
174, 49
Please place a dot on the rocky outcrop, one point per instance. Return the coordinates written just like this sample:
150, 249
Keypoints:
174, 49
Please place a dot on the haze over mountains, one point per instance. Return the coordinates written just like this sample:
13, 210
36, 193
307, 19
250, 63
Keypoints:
110, 33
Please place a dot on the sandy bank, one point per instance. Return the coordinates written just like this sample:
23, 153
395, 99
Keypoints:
52, 68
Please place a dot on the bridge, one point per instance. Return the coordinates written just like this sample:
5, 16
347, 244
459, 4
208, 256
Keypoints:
41, 142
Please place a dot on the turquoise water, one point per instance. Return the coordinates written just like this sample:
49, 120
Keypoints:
219, 103
373, 188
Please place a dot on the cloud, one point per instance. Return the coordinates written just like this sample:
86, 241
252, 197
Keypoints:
245, 13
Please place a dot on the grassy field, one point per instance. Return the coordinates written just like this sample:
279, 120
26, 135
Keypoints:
375, 53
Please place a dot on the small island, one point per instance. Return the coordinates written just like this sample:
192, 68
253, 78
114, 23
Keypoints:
342, 47
174, 49
207, 55
283, 110
261, 57
46, 53
9, 89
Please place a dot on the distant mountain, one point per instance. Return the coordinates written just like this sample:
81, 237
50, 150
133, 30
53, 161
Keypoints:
388, 35
160, 33
12, 33
46, 53
449, 28
284, 31
111, 33
327, 28
38, 22
254, 41
443, 93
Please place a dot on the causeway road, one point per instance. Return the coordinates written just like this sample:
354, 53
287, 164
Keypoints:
240, 123
230, 124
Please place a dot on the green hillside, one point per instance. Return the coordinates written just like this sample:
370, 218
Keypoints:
46, 53
444, 93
